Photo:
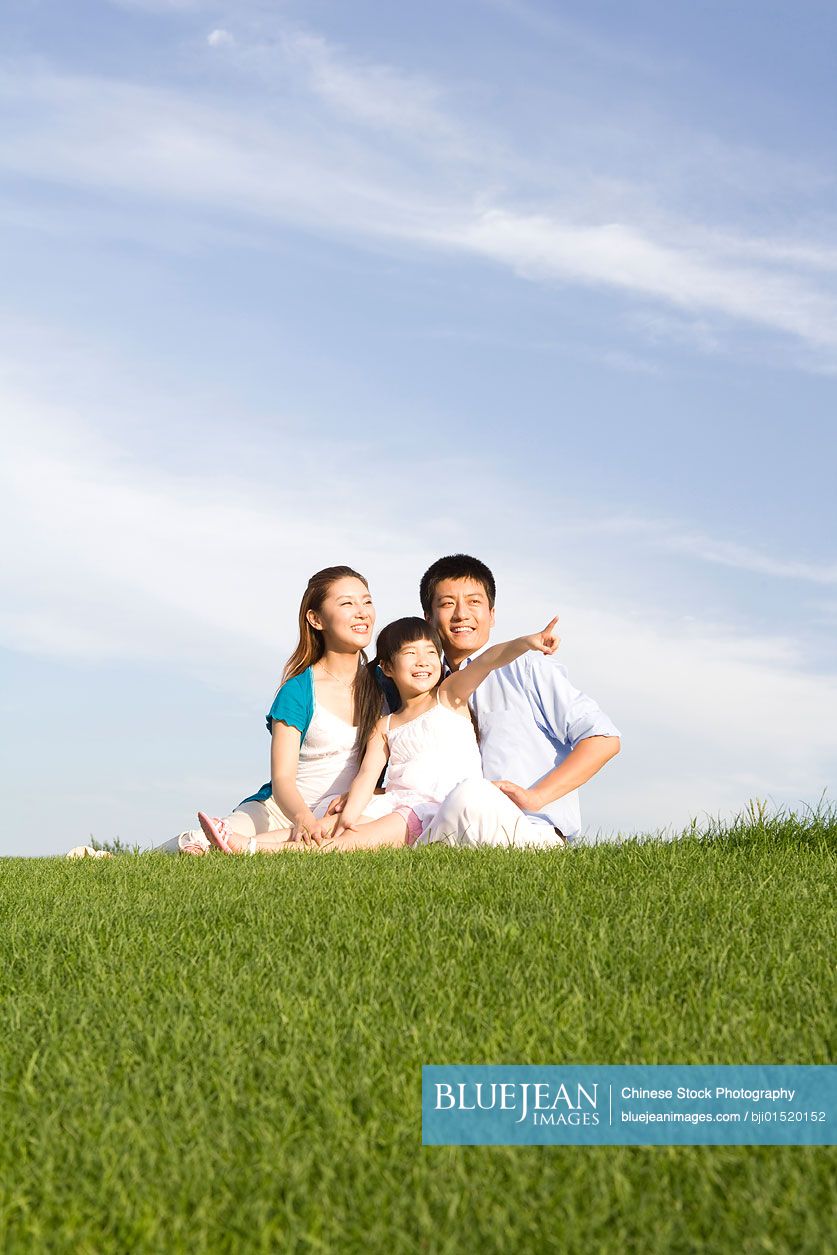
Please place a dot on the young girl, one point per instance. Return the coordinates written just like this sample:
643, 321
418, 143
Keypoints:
428, 746
322, 714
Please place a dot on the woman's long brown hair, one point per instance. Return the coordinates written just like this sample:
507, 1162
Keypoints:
367, 699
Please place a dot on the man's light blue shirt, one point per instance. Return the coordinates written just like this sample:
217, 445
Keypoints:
530, 717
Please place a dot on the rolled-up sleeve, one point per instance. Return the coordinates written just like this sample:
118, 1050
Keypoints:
564, 713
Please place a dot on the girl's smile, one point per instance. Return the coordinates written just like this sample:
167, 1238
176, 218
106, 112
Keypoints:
416, 668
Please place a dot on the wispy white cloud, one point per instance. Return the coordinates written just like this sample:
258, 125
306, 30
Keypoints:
549, 23
282, 165
616, 255
119, 559
669, 535
376, 95
743, 558
220, 38
172, 149
792, 253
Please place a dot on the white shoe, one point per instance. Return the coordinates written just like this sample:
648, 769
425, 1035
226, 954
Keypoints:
192, 842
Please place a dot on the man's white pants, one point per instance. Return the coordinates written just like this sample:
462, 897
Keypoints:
477, 813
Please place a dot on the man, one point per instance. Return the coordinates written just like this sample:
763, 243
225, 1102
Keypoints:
540, 738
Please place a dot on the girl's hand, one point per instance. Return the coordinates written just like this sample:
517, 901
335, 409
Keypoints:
336, 805
524, 799
547, 641
345, 824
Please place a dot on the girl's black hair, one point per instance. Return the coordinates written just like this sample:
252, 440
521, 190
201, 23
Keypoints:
403, 632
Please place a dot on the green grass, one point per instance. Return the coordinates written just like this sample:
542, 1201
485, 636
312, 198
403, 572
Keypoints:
225, 1054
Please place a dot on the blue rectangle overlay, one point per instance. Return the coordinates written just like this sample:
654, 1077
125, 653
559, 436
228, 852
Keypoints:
636, 1105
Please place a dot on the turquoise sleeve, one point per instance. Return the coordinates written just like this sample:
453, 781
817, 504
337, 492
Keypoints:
293, 705
290, 706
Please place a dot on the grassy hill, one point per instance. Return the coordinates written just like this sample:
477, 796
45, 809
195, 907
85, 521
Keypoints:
225, 1054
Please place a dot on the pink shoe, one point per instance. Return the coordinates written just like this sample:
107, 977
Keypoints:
216, 832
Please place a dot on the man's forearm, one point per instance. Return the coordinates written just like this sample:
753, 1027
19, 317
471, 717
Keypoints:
580, 765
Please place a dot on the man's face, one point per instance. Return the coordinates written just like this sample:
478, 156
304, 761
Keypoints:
462, 616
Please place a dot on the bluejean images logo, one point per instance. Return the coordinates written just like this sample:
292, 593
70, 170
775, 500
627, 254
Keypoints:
598, 1105
544, 1103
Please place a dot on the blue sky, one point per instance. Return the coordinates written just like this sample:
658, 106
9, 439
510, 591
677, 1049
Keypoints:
292, 284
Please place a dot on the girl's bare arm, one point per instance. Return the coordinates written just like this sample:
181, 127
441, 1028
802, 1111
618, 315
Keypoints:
458, 687
363, 785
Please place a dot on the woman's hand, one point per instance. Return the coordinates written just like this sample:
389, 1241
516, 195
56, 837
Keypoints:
524, 799
547, 641
310, 831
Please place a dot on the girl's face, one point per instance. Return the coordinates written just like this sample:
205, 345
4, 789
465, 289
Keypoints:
415, 669
346, 617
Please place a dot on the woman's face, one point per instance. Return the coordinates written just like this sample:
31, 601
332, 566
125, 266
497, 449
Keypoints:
347, 616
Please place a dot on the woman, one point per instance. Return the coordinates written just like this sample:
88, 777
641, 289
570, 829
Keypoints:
322, 715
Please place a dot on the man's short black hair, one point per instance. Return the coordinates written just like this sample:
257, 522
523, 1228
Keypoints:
457, 566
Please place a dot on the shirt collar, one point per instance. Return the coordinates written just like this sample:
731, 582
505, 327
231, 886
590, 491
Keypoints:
470, 658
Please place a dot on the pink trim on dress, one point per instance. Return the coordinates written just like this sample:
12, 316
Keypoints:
414, 826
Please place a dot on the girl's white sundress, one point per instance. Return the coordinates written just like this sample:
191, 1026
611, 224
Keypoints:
428, 757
